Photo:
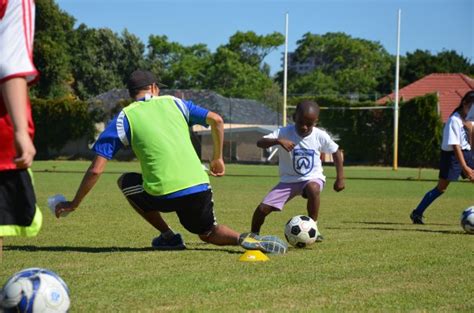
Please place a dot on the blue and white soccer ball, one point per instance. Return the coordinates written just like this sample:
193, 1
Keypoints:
34, 290
301, 231
467, 220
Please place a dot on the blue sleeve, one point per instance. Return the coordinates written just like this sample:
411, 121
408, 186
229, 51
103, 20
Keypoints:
114, 137
197, 114
194, 114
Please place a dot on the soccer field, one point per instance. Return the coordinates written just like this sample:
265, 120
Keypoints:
372, 258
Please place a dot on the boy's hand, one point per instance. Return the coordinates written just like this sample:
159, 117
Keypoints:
217, 167
288, 145
339, 184
469, 173
25, 150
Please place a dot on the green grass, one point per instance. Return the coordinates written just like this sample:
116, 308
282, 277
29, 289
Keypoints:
373, 258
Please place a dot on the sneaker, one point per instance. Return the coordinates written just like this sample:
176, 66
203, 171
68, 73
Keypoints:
416, 219
267, 244
174, 243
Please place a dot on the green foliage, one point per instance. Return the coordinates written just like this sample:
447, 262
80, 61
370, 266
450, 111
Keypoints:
355, 65
103, 60
421, 63
230, 77
59, 121
420, 132
177, 66
54, 29
252, 48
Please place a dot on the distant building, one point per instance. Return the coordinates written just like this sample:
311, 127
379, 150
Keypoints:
449, 87
305, 67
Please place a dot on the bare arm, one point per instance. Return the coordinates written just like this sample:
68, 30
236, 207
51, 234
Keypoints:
89, 180
339, 184
469, 172
265, 143
217, 167
15, 95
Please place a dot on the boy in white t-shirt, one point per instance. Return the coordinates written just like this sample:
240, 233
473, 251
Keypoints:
300, 166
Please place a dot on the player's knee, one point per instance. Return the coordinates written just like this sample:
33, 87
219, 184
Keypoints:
265, 209
206, 237
311, 190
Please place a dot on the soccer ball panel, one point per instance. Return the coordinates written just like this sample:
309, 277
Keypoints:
467, 220
35, 290
300, 231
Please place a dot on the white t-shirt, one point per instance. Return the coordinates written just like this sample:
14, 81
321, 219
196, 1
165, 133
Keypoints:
454, 133
303, 162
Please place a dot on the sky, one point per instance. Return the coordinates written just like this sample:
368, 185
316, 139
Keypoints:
433, 25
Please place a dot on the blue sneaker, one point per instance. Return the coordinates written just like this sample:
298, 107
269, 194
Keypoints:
267, 244
174, 243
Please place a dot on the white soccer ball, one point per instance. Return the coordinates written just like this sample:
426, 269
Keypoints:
467, 220
35, 290
301, 231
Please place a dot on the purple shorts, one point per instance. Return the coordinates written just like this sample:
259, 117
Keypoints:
284, 192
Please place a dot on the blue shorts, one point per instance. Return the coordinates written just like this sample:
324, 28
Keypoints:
449, 167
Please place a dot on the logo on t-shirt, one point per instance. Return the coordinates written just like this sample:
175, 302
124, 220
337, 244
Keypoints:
303, 161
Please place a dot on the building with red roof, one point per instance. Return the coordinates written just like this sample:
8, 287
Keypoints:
449, 87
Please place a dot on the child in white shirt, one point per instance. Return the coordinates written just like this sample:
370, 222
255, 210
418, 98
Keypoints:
300, 166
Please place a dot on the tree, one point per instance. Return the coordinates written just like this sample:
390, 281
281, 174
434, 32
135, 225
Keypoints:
252, 48
176, 65
230, 77
103, 60
51, 50
354, 64
421, 63
315, 83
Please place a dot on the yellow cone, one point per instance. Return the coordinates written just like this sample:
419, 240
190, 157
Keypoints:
253, 256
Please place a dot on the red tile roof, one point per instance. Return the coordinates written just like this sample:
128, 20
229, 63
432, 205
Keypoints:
450, 88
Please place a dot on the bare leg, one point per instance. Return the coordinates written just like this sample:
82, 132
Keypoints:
259, 216
221, 235
442, 185
313, 192
152, 217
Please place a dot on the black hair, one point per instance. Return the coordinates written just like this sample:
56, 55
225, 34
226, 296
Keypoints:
306, 106
467, 96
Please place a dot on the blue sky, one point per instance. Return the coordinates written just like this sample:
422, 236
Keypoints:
431, 25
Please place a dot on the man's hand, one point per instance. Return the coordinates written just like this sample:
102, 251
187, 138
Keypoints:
25, 150
217, 167
62, 207
288, 145
339, 184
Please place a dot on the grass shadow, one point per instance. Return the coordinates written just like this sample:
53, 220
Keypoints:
447, 232
389, 223
31, 248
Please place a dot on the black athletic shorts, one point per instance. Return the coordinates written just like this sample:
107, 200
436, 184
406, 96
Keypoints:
450, 168
17, 198
195, 211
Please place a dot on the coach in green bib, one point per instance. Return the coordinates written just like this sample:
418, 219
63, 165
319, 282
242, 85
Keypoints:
172, 178
160, 135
